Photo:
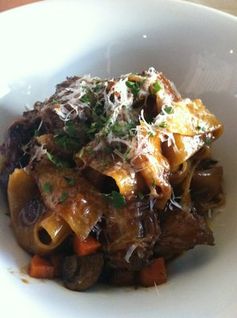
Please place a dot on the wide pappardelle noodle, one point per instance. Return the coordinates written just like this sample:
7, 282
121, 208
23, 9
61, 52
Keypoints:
108, 180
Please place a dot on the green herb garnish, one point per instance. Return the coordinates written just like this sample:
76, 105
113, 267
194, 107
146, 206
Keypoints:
62, 141
151, 134
162, 124
208, 140
99, 119
88, 97
156, 87
57, 161
134, 86
64, 197
122, 129
97, 125
85, 98
47, 187
93, 129
70, 181
97, 87
55, 101
200, 128
116, 199
168, 109
98, 109
67, 142
71, 129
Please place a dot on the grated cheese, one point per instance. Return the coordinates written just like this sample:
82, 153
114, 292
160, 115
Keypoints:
118, 99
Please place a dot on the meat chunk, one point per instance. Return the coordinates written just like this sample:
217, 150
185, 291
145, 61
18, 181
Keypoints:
181, 231
131, 233
39, 121
19, 134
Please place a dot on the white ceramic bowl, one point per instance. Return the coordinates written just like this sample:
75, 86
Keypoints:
195, 47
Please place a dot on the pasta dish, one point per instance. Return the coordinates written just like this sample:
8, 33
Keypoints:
108, 180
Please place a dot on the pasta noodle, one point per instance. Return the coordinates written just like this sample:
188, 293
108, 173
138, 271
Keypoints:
70, 197
27, 224
153, 167
52, 230
190, 118
123, 174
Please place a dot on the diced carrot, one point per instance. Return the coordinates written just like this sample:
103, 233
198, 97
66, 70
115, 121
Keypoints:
41, 268
153, 274
89, 246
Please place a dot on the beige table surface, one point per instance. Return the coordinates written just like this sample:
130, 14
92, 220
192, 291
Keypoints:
229, 6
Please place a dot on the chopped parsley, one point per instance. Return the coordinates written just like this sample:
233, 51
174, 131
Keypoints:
85, 98
156, 87
151, 134
67, 142
168, 109
88, 97
98, 109
96, 126
99, 121
134, 87
70, 129
58, 162
97, 88
47, 187
122, 129
208, 140
70, 180
55, 101
85, 151
116, 199
64, 197
200, 128
163, 124
68, 139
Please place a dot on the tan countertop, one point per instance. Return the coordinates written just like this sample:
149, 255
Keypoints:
229, 6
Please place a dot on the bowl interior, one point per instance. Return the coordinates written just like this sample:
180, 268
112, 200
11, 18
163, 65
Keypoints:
197, 49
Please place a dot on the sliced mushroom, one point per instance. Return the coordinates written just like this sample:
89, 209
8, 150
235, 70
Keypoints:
82, 272
31, 212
